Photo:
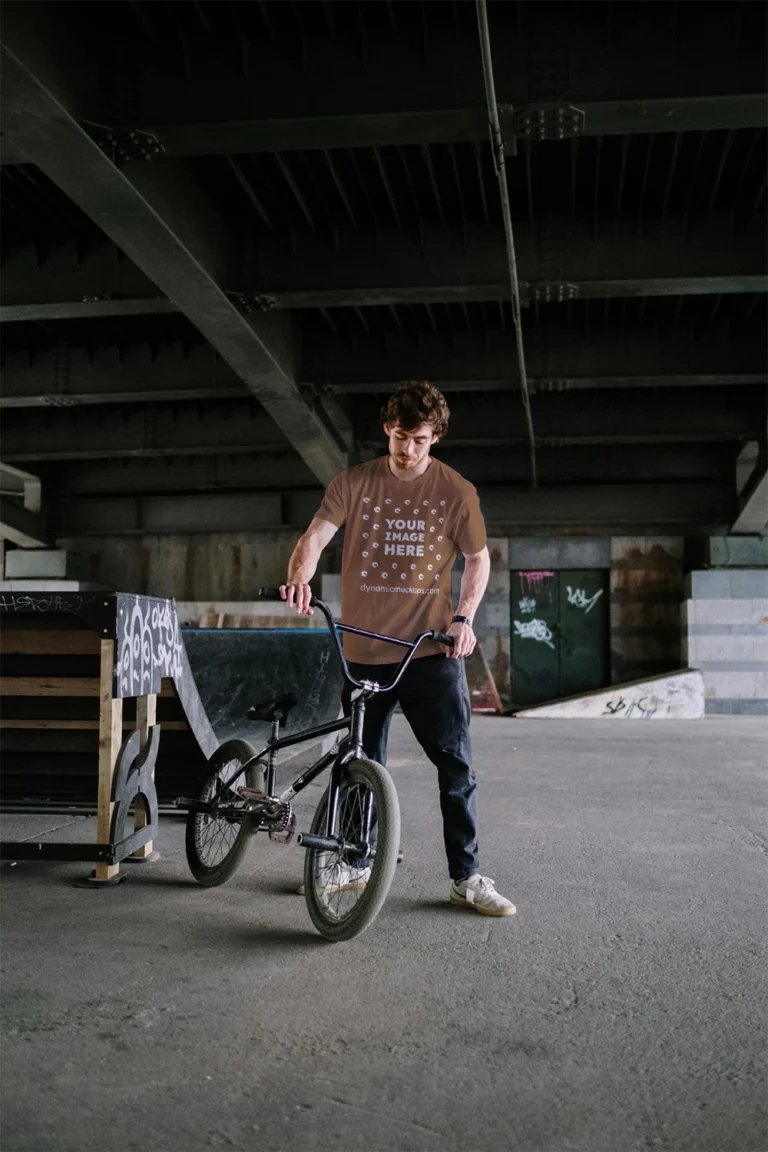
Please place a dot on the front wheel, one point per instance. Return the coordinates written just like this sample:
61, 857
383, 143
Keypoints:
216, 844
345, 892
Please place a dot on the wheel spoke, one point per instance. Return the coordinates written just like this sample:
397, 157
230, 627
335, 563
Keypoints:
333, 870
215, 835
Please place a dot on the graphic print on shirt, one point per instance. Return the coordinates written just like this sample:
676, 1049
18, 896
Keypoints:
402, 545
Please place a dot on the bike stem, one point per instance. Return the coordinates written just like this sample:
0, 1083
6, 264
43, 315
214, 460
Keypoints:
358, 720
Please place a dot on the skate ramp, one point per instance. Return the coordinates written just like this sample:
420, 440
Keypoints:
204, 682
672, 696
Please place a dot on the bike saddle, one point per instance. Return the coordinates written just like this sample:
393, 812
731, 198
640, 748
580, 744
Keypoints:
277, 707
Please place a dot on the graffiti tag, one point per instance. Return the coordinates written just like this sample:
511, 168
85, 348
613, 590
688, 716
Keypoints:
70, 603
534, 630
314, 698
645, 706
150, 645
527, 604
579, 598
534, 581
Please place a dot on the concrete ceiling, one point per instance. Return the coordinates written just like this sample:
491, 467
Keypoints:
229, 229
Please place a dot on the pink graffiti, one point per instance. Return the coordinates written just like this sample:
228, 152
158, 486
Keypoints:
534, 581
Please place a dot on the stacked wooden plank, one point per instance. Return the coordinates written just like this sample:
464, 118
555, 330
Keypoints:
51, 716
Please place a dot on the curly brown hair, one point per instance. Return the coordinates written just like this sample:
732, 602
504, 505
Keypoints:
417, 402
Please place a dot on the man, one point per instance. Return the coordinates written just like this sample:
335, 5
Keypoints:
407, 517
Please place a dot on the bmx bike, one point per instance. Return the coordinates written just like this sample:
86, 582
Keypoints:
353, 842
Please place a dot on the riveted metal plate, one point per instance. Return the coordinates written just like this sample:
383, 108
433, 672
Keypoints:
124, 144
553, 292
246, 303
549, 122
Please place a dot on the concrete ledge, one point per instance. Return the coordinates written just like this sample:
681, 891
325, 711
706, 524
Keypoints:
736, 707
539, 552
731, 684
245, 613
719, 612
739, 551
727, 584
673, 696
43, 564
50, 586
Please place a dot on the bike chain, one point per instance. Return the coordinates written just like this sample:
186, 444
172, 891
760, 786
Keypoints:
285, 830
282, 822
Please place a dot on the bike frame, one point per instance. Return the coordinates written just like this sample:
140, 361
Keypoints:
352, 747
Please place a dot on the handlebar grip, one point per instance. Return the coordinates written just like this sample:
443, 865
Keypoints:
268, 594
441, 638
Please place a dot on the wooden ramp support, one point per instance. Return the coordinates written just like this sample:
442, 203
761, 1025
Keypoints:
110, 739
132, 648
146, 715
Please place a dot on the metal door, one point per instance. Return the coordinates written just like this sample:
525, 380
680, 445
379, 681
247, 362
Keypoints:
559, 632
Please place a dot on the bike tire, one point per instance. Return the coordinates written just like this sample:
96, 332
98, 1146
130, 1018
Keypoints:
231, 752
367, 908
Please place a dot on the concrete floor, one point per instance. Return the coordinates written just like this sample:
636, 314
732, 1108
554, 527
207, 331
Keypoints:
623, 1008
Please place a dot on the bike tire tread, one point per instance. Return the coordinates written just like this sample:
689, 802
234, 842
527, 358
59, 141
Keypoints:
213, 877
383, 868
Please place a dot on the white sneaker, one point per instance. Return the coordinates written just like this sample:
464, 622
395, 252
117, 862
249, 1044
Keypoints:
479, 893
346, 879
300, 889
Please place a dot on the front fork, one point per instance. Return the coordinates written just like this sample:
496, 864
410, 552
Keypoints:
356, 752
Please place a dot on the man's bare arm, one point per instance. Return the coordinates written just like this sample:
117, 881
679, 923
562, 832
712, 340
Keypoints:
303, 564
474, 581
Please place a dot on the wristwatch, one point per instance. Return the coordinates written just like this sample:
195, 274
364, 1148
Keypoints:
461, 620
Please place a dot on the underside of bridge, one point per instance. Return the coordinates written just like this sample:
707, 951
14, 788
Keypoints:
230, 229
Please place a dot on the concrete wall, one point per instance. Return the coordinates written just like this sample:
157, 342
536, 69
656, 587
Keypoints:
492, 619
723, 628
208, 569
537, 553
646, 578
200, 566
646, 593
725, 624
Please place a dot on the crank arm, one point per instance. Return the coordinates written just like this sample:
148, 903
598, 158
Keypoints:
329, 843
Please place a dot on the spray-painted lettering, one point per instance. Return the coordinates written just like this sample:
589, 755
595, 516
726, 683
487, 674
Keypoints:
578, 598
535, 581
534, 630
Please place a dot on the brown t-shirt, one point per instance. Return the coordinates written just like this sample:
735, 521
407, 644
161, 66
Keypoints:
401, 541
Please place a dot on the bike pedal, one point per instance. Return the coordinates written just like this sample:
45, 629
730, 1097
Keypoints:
284, 835
253, 794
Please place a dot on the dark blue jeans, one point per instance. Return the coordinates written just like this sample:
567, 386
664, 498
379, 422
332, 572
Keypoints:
434, 698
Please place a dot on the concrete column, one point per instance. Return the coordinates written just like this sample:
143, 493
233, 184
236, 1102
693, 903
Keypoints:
646, 593
725, 624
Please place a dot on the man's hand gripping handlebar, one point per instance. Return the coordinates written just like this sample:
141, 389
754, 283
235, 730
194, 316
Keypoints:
300, 596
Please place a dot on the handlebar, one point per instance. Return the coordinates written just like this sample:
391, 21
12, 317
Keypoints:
273, 594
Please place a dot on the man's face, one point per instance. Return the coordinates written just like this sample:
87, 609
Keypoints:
408, 448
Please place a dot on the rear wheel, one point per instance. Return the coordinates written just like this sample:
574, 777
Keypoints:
216, 844
345, 891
